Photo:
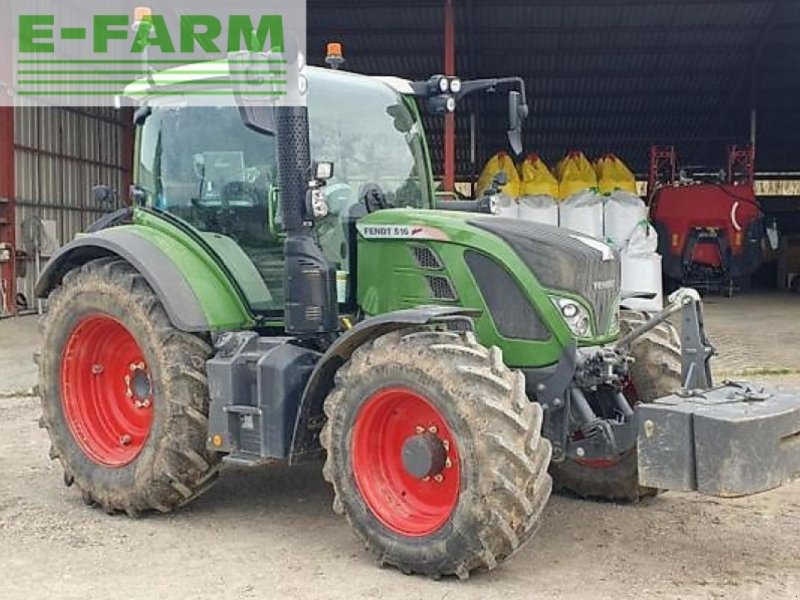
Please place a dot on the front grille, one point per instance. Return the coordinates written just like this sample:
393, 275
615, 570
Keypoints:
441, 288
561, 261
426, 258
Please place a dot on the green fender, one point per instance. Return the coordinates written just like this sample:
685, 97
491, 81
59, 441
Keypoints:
198, 293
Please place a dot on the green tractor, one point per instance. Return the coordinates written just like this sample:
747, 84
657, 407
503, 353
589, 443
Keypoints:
286, 287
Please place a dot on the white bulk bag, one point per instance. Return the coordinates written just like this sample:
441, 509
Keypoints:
539, 209
583, 212
623, 211
642, 288
507, 207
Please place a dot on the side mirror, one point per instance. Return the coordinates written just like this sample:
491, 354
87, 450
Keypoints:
260, 119
403, 122
105, 197
517, 113
141, 114
249, 87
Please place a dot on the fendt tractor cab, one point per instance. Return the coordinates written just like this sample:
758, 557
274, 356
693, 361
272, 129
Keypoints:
286, 286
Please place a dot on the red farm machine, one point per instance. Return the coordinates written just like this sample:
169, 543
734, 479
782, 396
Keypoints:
709, 223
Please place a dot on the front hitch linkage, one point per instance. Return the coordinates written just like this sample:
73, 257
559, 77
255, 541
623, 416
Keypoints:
696, 350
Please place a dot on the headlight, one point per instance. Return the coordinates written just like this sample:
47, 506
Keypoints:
575, 316
455, 85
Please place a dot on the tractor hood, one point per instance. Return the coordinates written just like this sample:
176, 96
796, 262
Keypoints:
511, 270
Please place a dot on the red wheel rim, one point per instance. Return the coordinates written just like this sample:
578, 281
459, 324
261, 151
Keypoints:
106, 391
406, 504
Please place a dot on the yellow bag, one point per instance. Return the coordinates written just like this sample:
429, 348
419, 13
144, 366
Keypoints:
537, 180
499, 162
559, 169
613, 175
577, 175
599, 164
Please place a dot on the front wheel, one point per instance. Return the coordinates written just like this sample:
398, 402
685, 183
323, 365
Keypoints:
434, 453
124, 393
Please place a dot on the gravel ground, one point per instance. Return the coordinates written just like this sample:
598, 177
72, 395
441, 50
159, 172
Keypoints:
270, 532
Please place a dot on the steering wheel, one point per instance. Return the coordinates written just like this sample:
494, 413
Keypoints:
240, 190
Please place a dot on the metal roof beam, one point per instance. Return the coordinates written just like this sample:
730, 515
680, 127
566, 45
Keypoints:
381, 50
361, 5
530, 28
610, 137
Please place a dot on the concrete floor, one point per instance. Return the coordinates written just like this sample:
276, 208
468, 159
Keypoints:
754, 334
19, 338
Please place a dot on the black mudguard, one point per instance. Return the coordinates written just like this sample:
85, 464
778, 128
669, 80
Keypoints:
168, 282
310, 416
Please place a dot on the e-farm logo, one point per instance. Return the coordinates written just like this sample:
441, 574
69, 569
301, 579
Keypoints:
37, 32
96, 57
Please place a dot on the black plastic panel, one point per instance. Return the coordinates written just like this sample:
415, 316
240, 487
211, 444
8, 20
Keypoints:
256, 387
512, 313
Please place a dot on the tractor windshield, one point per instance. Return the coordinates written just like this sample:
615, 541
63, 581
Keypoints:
203, 165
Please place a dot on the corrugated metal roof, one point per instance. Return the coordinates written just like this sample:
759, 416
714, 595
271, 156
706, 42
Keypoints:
602, 75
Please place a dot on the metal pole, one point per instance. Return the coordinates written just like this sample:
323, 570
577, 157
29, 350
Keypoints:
450, 118
38, 265
8, 226
473, 153
128, 143
753, 102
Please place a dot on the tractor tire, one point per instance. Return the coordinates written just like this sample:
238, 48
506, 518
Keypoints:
476, 495
656, 372
124, 394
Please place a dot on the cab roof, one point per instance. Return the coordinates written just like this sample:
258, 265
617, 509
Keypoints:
218, 72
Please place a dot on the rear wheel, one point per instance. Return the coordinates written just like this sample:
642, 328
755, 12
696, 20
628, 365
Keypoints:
124, 394
434, 453
656, 372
